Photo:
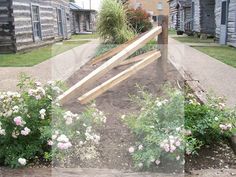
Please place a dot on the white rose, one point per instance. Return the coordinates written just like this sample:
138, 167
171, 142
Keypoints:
131, 149
63, 138
22, 161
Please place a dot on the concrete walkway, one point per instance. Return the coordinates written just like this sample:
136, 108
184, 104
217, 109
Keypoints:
212, 74
59, 67
92, 172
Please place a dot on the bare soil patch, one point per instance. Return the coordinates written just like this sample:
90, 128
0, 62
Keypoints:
117, 138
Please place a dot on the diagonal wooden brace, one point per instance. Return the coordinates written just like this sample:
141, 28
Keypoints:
75, 90
94, 93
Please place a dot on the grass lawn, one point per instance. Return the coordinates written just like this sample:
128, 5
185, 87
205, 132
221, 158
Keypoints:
36, 56
191, 39
172, 32
84, 36
225, 54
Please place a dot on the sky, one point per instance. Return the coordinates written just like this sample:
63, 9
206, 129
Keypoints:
85, 3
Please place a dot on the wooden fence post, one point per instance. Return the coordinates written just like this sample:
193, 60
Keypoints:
163, 46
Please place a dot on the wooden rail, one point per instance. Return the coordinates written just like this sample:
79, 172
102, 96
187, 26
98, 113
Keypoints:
118, 78
114, 51
120, 54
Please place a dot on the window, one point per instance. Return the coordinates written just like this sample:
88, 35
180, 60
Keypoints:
60, 22
154, 18
138, 5
160, 6
36, 23
223, 13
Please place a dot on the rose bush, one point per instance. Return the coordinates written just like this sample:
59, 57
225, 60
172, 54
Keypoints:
175, 125
32, 124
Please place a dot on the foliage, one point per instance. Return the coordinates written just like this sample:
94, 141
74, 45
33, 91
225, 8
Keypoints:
36, 56
112, 25
210, 122
32, 124
103, 48
139, 19
225, 54
84, 36
192, 39
170, 126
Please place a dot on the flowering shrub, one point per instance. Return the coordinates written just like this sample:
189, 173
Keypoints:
170, 127
31, 123
210, 122
139, 19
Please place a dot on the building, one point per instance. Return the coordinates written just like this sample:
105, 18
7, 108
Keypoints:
153, 7
82, 20
184, 16
225, 18
173, 14
193, 16
203, 16
25, 24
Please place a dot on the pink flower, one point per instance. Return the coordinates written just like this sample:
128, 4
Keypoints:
50, 142
177, 143
26, 131
157, 162
18, 121
64, 146
188, 132
131, 150
225, 127
172, 148
166, 147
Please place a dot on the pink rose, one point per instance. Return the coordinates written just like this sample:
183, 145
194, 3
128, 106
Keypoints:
18, 121
157, 162
167, 147
26, 131
131, 150
172, 148
50, 142
177, 143
64, 146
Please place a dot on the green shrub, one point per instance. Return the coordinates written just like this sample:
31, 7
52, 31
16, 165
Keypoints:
103, 48
139, 19
210, 122
169, 127
33, 125
112, 25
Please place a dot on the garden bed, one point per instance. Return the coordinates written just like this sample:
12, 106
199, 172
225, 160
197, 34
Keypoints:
116, 138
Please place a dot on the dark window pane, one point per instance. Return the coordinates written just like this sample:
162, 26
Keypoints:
36, 22
223, 13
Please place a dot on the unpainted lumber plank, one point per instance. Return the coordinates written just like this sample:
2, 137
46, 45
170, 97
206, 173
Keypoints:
136, 58
114, 51
94, 93
108, 65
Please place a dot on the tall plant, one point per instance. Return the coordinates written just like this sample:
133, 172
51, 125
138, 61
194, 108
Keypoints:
113, 26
